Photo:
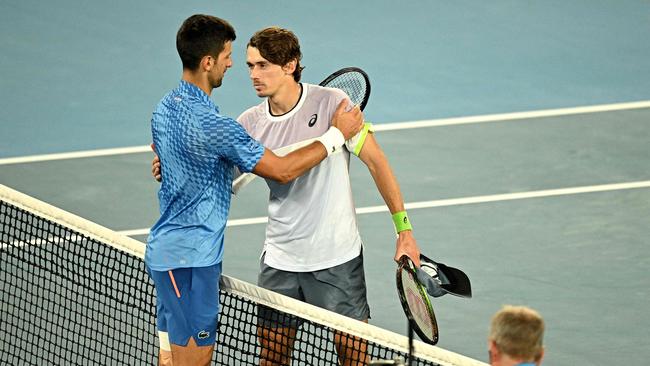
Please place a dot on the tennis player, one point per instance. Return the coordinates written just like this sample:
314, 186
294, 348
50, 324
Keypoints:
312, 250
516, 337
199, 148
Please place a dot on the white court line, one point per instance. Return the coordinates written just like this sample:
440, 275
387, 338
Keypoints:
454, 202
513, 116
378, 127
75, 155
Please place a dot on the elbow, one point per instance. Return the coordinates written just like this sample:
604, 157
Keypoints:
282, 176
285, 177
286, 173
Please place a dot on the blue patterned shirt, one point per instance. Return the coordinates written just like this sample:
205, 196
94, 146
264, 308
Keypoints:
198, 148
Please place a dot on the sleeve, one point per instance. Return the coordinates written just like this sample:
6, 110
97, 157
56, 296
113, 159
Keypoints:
337, 96
229, 140
355, 144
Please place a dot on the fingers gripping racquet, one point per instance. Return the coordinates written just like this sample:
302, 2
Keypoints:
353, 81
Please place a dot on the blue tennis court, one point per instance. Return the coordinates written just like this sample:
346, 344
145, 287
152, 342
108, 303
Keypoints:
518, 132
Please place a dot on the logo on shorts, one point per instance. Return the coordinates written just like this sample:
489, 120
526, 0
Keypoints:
203, 334
312, 121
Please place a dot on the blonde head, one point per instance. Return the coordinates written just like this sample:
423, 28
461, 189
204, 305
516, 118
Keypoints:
518, 332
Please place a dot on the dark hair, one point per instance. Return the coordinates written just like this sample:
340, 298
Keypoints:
202, 35
278, 45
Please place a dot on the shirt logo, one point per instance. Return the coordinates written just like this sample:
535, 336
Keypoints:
203, 334
312, 120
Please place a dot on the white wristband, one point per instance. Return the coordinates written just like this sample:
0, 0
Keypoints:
332, 140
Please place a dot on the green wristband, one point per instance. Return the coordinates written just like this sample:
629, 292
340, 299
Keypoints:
401, 222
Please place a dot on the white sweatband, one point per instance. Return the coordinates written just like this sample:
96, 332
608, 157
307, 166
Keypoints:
332, 140
163, 337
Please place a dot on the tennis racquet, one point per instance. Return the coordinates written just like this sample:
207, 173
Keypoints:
353, 81
415, 301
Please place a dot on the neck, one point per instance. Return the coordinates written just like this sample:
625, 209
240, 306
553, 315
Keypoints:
507, 360
285, 98
199, 79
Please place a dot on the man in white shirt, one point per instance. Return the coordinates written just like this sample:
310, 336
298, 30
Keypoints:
312, 250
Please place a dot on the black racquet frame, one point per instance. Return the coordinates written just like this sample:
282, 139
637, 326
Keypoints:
406, 263
341, 74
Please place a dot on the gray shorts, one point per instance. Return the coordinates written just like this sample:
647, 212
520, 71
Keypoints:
341, 289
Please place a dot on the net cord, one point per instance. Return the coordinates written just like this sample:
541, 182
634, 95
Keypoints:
72, 221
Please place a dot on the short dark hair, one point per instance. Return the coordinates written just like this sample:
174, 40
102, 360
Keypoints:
278, 45
202, 35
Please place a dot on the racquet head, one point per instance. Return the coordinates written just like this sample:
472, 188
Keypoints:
415, 301
353, 81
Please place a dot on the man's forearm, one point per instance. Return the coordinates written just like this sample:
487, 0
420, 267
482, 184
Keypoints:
383, 175
287, 168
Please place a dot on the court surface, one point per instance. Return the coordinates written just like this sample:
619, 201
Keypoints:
546, 209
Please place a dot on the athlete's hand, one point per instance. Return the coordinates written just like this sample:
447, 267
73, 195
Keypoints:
155, 166
406, 244
349, 123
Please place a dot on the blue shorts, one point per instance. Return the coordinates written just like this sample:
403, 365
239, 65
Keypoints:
187, 303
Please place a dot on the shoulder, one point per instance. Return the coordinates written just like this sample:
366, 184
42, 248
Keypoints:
323, 92
252, 113
250, 117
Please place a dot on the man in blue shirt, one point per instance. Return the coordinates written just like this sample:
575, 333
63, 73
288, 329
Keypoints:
199, 148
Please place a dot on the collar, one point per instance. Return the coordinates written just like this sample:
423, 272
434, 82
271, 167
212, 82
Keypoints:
290, 113
194, 91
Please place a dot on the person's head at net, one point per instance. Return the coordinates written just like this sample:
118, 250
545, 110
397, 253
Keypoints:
204, 44
516, 337
273, 57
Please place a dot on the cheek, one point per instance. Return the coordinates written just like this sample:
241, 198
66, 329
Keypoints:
272, 77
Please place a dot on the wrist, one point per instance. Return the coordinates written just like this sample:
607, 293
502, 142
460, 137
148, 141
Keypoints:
401, 222
405, 233
332, 139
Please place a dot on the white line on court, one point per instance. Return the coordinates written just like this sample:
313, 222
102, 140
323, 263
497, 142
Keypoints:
455, 201
75, 155
513, 116
378, 127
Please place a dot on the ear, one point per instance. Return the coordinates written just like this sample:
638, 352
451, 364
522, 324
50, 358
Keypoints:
207, 62
290, 67
493, 349
541, 357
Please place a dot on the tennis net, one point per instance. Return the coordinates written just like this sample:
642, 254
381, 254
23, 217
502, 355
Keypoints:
76, 293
